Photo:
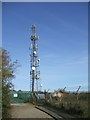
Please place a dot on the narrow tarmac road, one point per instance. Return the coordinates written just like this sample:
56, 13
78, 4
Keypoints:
27, 110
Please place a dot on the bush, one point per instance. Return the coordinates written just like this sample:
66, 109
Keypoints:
70, 104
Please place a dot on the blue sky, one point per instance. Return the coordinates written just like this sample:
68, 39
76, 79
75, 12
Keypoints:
63, 44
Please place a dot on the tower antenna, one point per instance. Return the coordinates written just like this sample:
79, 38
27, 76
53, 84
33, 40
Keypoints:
34, 72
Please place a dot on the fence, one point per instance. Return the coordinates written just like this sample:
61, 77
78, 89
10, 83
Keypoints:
20, 96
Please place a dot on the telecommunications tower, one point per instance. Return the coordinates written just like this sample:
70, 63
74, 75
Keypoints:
34, 72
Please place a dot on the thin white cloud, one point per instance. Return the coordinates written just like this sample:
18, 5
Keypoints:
77, 85
48, 56
79, 61
74, 60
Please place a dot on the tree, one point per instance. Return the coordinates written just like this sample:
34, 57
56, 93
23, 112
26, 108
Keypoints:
7, 70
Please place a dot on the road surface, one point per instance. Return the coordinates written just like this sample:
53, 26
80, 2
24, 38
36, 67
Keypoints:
27, 110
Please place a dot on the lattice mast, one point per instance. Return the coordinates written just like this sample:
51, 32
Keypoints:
34, 72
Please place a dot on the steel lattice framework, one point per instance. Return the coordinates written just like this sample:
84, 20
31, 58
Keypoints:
35, 61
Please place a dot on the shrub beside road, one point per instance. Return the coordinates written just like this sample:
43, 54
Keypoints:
71, 105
